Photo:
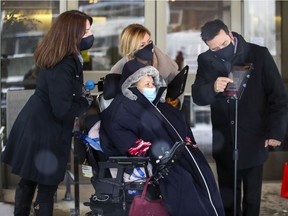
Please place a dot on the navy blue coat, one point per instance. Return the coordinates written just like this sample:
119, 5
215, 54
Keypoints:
39, 143
262, 110
183, 190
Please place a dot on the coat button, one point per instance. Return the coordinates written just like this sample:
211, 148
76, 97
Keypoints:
232, 122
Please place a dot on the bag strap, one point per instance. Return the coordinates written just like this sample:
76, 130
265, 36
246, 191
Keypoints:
145, 188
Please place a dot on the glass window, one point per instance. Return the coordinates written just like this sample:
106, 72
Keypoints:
109, 19
186, 19
23, 25
263, 28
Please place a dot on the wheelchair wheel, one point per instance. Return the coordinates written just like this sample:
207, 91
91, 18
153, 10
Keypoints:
91, 214
105, 209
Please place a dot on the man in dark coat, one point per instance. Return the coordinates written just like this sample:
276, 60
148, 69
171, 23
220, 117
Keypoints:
140, 123
262, 112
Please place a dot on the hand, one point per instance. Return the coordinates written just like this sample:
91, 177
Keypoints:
272, 142
221, 83
174, 103
86, 94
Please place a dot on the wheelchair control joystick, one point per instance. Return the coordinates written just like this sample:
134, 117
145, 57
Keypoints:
165, 161
170, 156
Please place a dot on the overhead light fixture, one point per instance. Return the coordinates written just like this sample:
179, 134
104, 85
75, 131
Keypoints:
93, 1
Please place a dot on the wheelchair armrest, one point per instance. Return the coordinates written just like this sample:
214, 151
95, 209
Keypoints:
170, 156
128, 160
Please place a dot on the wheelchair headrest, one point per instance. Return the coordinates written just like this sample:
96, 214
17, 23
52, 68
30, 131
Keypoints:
111, 85
177, 86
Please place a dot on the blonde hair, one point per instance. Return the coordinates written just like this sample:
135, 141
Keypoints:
130, 39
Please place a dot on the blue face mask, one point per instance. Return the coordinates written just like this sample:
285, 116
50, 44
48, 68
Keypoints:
150, 93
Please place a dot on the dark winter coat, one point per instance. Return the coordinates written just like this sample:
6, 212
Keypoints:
262, 109
40, 139
127, 120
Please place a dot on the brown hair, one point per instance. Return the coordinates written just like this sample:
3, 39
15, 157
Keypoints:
62, 39
130, 39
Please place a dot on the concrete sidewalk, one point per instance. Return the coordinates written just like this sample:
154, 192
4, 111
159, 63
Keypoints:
272, 203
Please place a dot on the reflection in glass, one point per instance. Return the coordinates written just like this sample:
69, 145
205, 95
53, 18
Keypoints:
23, 25
185, 21
109, 19
261, 28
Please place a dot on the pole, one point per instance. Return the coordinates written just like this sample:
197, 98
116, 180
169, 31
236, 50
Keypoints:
240, 75
235, 156
1, 171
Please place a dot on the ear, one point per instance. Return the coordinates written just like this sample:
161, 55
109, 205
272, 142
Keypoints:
231, 36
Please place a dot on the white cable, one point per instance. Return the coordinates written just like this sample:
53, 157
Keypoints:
207, 188
199, 170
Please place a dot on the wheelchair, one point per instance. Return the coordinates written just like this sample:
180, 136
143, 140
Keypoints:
113, 193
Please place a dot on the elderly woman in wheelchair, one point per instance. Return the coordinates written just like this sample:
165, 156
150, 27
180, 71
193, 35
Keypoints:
139, 127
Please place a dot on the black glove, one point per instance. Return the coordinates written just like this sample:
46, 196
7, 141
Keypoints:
86, 94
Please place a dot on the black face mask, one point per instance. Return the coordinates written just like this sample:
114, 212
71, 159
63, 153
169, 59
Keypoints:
86, 43
146, 53
225, 53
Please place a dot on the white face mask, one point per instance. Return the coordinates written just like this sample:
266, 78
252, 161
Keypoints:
149, 93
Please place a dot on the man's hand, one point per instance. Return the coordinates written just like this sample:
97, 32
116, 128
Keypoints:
272, 142
221, 83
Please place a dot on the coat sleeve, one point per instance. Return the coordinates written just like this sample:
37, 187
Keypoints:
121, 127
203, 87
123, 138
277, 100
65, 89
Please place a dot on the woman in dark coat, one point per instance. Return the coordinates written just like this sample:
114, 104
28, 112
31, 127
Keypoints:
40, 140
140, 123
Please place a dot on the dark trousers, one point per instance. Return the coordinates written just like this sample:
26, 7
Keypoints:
249, 186
44, 198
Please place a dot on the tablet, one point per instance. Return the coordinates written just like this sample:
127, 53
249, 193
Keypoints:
240, 76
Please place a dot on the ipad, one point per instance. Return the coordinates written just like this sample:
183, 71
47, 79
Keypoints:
240, 76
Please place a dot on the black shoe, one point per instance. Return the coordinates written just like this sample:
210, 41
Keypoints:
43, 209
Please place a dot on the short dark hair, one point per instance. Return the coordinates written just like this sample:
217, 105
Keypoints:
210, 29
